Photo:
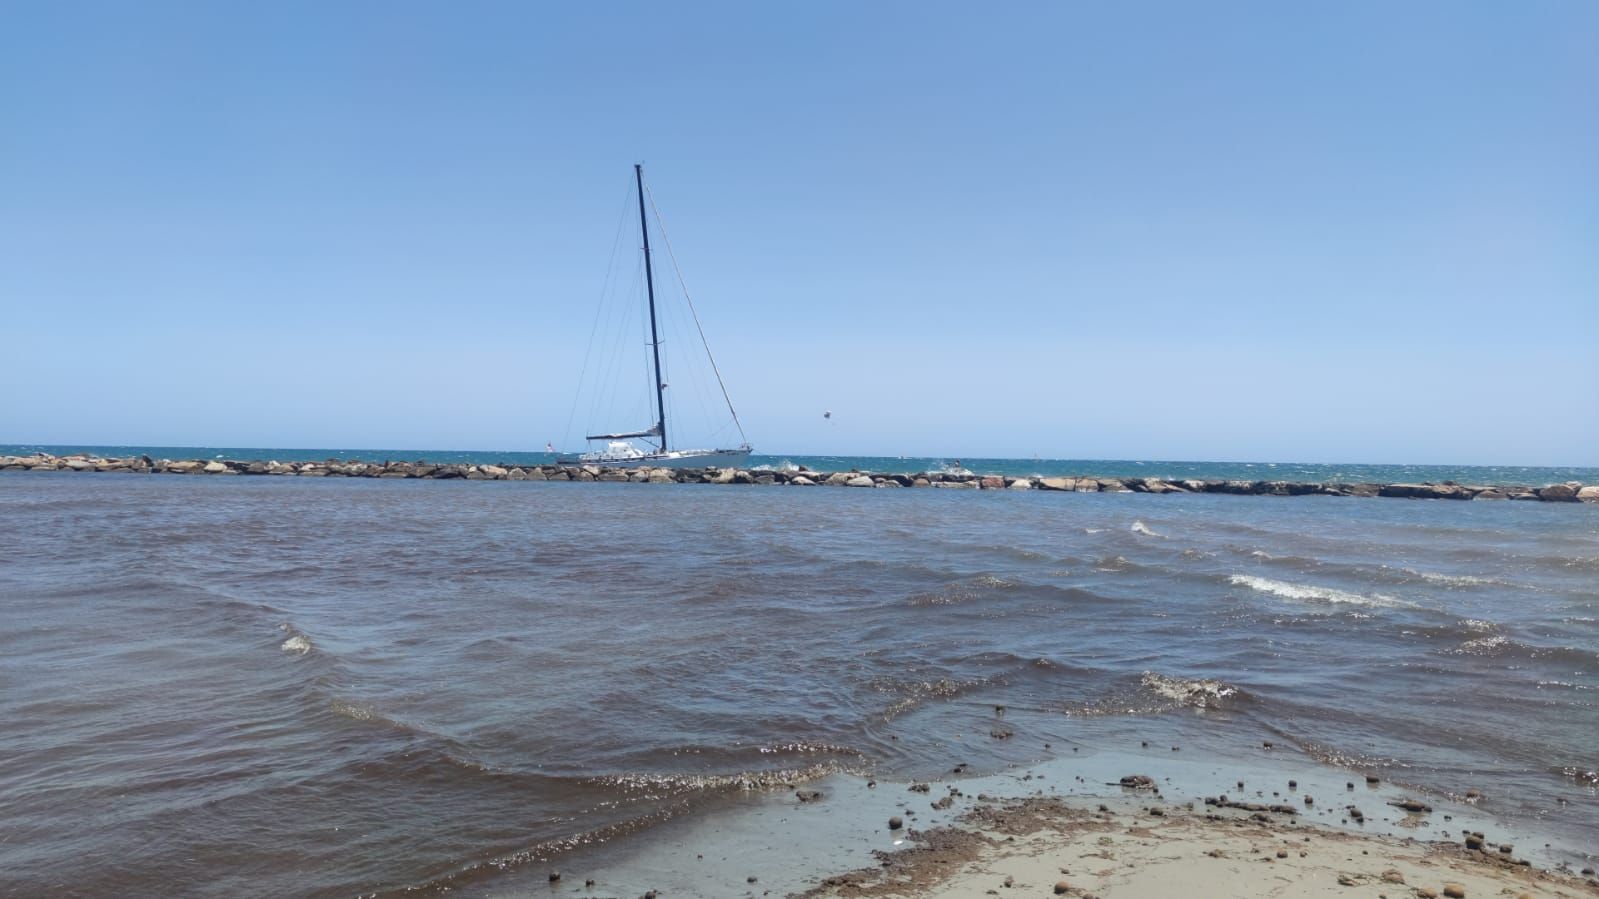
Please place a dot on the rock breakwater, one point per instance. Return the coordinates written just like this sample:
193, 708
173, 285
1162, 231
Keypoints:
1569, 491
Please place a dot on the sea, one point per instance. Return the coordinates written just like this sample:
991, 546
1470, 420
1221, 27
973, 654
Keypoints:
363, 687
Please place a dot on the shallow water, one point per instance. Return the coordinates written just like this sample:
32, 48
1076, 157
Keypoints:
328, 687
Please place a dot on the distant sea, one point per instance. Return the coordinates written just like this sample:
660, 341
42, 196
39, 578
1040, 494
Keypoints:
1310, 472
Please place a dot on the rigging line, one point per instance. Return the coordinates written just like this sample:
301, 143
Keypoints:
605, 286
603, 411
666, 239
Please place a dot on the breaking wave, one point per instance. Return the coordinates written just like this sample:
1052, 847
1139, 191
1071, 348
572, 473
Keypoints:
1199, 694
1312, 593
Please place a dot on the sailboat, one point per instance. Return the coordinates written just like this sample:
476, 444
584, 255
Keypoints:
621, 450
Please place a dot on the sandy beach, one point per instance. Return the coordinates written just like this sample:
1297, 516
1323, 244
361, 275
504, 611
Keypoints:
1051, 846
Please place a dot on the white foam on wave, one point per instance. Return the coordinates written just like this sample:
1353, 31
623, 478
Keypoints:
1140, 528
1452, 580
1201, 694
298, 644
1312, 593
783, 465
1481, 646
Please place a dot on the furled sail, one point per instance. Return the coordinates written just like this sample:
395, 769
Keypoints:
652, 432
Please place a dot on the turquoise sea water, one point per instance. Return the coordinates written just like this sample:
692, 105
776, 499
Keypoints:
1317, 472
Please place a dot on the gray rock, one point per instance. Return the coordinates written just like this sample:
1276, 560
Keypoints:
858, 481
1558, 493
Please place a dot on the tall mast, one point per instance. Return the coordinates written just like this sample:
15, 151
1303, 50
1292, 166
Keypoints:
649, 284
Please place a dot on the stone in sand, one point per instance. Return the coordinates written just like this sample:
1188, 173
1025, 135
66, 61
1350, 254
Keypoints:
1454, 891
896, 822
1061, 887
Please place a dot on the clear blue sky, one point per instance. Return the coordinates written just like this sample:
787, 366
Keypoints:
1343, 232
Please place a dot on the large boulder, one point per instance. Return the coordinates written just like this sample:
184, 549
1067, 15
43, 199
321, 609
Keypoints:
802, 481
184, 466
838, 478
1020, 484
1425, 491
1558, 493
1588, 494
992, 482
859, 481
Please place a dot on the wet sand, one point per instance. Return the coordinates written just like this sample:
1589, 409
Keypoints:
1051, 846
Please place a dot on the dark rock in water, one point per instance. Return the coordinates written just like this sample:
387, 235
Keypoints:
1558, 493
1411, 805
1293, 785
1138, 782
555, 876
751, 879
1372, 778
1474, 842
920, 788
808, 795
589, 883
896, 822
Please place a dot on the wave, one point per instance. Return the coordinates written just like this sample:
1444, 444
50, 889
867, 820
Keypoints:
962, 591
1199, 694
655, 783
1499, 646
1140, 528
1313, 593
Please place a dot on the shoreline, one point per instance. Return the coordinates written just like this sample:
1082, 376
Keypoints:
1023, 831
1049, 846
1570, 491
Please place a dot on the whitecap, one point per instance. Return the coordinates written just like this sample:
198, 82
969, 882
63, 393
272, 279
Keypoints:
299, 644
1312, 593
1201, 694
1140, 528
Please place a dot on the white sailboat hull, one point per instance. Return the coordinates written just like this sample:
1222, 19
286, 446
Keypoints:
720, 458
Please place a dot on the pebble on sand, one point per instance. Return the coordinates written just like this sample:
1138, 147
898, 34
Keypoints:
1061, 887
896, 822
1454, 891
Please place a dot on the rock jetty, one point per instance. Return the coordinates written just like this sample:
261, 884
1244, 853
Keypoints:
1570, 491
